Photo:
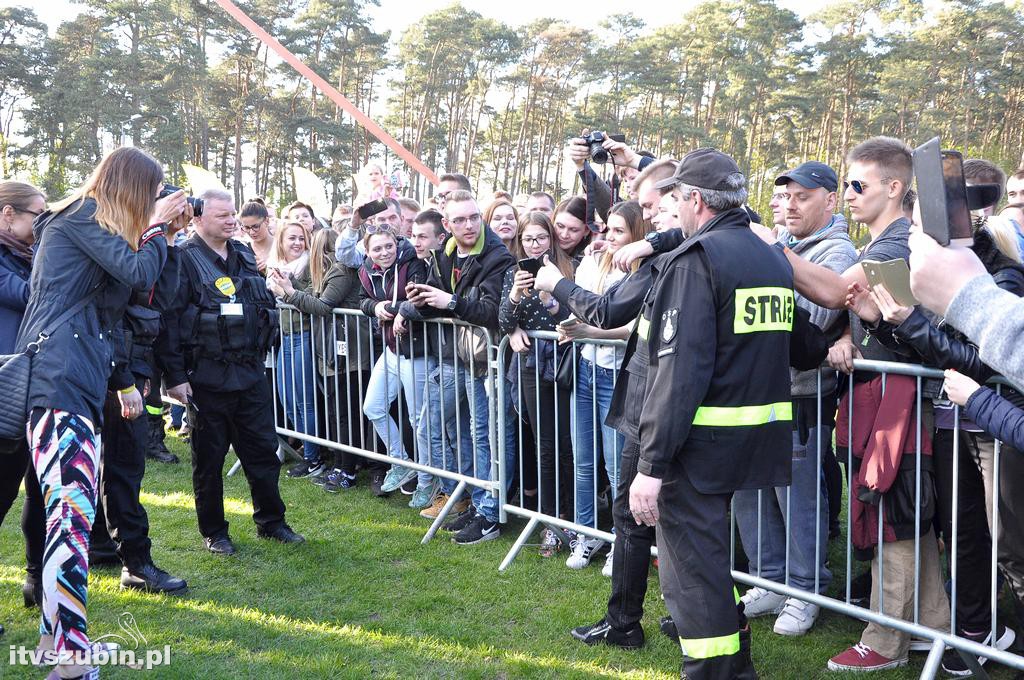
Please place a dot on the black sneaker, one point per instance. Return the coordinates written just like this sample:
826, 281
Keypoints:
320, 479
220, 545
409, 488
668, 628
954, 664
151, 578
461, 520
477, 531
282, 534
377, 481
339, 480
306, 469
603, 633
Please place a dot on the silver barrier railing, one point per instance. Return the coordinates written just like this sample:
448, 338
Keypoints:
334, 374
933, 639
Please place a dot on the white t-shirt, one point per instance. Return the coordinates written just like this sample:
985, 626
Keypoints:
588, 276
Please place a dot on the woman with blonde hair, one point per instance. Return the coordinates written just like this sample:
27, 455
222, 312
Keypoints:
95, 247
288, 264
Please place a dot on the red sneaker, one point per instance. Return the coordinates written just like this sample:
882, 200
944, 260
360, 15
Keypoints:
861, 658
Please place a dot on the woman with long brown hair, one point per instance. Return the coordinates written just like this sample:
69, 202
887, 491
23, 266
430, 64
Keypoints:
595, 380
502, 218
545, 403
94, 248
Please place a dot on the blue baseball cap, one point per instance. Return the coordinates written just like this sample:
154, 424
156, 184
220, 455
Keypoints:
811, 175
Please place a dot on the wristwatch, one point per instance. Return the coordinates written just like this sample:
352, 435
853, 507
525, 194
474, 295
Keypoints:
454, 301
654, 238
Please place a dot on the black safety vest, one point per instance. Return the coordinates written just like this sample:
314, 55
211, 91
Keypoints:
235, 318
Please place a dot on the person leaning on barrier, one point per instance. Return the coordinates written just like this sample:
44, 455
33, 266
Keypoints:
797, 515
216, 335
341, 346
716, 416
465, 283
940, 345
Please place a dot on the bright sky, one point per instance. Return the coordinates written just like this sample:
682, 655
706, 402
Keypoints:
397, 15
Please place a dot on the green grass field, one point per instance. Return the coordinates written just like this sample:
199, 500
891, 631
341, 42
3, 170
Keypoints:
363, 598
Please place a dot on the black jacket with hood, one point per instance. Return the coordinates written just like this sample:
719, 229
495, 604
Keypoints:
388, 285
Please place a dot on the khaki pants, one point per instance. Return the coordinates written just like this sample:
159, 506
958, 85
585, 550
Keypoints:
894, 578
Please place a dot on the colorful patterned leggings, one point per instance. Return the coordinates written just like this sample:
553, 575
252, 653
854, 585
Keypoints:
65, 456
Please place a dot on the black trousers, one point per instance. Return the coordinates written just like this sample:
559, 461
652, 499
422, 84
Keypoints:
14, 467
631, 560
343, 410
693, 556
243, 419
122, 467
548, 415
974, 541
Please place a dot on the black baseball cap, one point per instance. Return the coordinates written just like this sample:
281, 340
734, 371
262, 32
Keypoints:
705, 168
811, 175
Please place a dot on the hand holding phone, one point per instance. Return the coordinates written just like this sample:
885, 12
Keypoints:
530, 264
942, 194
368, 210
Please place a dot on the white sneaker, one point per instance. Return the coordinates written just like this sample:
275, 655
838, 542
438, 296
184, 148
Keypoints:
583, 549
606, 570
761, 602
796, 618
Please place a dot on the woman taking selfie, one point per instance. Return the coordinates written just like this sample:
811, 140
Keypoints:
547, 405
94, 248
296, 379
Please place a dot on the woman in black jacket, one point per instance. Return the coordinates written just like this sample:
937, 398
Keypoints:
20, 203
545, 403
94, 248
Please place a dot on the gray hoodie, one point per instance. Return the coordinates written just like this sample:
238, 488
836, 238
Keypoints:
831, 248
994, 320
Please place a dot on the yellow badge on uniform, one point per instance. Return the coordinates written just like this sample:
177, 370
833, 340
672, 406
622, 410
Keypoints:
225, 285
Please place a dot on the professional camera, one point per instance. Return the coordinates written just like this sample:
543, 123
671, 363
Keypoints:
196, 203
597, 152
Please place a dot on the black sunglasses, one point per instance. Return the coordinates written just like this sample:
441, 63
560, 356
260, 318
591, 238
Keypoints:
858, 186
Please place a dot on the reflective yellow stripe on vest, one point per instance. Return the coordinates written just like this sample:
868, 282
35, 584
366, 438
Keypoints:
743, 416
706, 648
763, 309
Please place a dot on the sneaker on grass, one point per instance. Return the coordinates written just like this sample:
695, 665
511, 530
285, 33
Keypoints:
478, 530
339, 480
796, 618
396, 477
461, 520
423, 497
954, 664
606, 570
862, 659
583, 550
761, 602
306, 468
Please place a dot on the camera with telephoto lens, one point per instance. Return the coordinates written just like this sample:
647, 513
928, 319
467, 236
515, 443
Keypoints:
196, 203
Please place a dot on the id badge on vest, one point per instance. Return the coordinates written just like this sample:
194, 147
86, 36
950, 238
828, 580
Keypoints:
230, 308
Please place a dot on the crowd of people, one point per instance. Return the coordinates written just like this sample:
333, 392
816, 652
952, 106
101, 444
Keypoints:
692, 365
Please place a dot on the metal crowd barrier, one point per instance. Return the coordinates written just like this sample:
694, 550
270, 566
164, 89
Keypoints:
337, 360
356, 347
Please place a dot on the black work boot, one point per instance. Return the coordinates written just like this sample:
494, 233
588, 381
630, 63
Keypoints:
155, 447
32, 592
150, 578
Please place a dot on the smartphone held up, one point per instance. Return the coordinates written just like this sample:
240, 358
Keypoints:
942, 195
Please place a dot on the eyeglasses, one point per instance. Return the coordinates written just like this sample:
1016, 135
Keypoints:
535, 240
33, 213
858, 186
461, 221
251, 227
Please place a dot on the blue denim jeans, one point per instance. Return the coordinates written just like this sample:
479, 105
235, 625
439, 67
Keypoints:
456, 427
389, 373
594, 387
808, 478
296, 386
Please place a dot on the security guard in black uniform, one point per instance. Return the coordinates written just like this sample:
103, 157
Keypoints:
217, 335
120, 516
717, 413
